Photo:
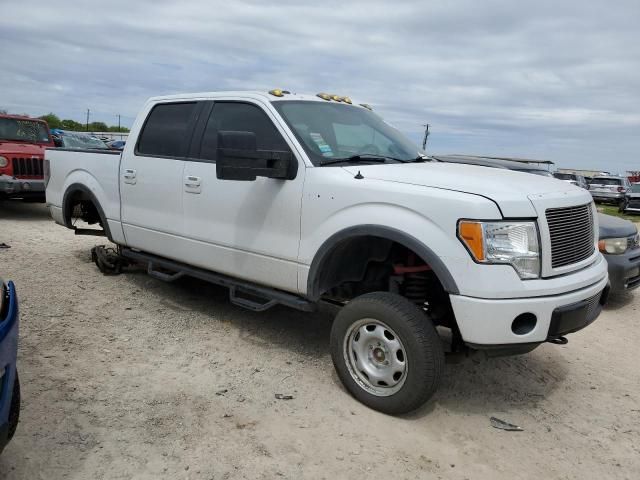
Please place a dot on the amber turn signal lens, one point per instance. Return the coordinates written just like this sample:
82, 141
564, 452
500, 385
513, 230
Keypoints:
471, 234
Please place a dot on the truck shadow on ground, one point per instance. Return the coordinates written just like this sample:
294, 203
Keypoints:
476, 384
485, 385
618, 300
23, 211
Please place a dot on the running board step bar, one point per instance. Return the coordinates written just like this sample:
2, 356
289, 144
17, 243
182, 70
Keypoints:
89, 231
244, 294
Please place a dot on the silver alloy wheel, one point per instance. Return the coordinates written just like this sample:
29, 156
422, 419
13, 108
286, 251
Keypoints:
375, 357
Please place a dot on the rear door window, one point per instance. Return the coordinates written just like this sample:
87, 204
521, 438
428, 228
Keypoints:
240, 117
167, 131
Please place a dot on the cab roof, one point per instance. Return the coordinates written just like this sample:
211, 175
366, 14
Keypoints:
249, 94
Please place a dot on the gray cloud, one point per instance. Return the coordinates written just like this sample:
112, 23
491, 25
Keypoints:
553, 80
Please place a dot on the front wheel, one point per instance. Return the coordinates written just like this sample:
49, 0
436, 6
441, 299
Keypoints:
387, 352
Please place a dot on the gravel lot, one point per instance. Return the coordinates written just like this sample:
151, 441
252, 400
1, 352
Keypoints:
128, 377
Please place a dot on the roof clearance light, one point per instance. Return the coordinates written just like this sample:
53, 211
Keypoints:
324, 96
347, 100
367, 106
276, 92
336, 98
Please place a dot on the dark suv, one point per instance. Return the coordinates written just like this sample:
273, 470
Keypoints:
632, 200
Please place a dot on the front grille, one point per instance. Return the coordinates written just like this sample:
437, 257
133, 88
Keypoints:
571, 232
633, 241
593, 305
27, 167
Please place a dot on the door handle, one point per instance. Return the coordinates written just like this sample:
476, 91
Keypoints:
191, 181
129, 173
129, 176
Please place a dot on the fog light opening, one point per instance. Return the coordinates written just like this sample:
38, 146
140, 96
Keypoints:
524, 323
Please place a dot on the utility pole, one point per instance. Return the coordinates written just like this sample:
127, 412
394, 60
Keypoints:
118, 122
426, 136
88, 111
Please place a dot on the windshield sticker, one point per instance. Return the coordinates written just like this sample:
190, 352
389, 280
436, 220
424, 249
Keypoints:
323, 146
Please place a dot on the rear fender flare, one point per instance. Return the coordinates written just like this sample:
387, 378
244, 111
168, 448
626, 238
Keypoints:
67, 206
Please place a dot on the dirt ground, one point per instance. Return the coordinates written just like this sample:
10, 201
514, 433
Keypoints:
128, 377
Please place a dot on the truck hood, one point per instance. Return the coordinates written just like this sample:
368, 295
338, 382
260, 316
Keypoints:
615, 227
510, 190
21, 149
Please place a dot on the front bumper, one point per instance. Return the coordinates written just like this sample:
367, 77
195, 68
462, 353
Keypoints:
11, 187
484, 323
624, 270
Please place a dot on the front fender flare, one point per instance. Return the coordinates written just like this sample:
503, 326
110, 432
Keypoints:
389, 233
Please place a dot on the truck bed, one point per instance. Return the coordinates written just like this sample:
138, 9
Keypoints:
97, 170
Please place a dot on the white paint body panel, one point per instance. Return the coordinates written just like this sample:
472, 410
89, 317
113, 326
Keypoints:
96, 171
488, 321
269, 231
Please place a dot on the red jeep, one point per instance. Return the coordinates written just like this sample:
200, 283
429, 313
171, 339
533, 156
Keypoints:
22, 144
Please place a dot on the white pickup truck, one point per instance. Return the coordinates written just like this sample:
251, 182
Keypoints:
294, 199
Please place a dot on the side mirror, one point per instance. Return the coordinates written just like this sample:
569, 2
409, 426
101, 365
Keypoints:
239, 159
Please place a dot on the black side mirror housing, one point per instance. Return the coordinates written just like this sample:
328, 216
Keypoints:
239, 159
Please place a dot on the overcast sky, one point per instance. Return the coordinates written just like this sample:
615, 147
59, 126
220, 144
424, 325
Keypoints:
555, 80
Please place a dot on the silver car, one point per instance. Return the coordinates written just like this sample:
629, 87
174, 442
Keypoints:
609, 188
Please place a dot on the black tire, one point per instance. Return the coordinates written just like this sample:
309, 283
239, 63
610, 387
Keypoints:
14, 410
417, 334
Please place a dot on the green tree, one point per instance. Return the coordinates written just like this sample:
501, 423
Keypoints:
52, 119
72, 125
118, 129
98, 127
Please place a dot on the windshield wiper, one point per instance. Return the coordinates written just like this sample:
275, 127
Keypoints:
419, 159
361, 157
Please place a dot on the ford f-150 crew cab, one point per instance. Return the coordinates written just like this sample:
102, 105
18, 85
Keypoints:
22, 144
293, 199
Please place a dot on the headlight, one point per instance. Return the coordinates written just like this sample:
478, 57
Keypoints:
511, 243
615, 246
3, 162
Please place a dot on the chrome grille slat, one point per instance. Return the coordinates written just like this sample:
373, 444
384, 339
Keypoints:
571, 248
566, 243
572, 234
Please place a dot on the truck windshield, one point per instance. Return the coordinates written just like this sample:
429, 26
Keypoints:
23, 130
331, 131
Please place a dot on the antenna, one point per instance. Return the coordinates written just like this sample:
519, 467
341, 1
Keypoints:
426, 136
